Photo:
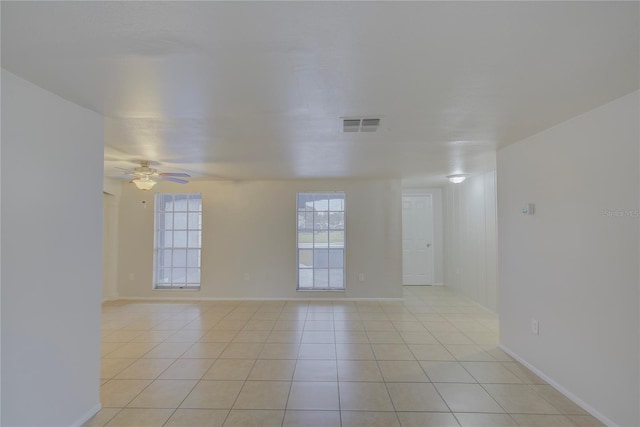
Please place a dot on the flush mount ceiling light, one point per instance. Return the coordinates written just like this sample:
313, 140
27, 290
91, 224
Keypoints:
144, 183
456, 178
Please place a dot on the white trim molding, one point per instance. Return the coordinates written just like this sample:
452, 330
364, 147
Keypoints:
187, 299
87, 415
575, 399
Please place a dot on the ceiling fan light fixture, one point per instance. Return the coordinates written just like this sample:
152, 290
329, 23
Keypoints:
144, 184
145, 177
456, 178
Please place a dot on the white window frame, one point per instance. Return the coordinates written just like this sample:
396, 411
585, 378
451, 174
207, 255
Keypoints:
192, 233
313, 247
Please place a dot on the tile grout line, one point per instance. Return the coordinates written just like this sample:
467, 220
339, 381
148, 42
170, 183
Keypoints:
335, 339
386, 387
239, 312
246, 378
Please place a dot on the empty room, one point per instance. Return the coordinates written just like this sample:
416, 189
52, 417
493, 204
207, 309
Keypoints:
318, 213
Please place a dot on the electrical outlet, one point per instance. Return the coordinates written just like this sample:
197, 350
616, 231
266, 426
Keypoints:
361, 277
132, 276
246, 276
535, 327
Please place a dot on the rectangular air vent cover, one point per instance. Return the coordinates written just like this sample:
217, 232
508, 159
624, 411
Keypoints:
369, 125
351, 125
360, 124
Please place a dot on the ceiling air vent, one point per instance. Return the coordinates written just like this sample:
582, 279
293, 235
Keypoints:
360, 124
351, 125
369, 125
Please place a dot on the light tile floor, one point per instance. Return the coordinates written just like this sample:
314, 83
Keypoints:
430, 360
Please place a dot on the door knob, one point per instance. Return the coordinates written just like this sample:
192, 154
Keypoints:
428, 245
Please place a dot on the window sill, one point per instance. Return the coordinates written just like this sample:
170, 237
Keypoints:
177, 289
320, 290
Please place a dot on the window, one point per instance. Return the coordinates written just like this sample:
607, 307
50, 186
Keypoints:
321, 241
178, 235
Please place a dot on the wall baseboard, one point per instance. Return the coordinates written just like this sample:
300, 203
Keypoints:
87, 415
461, 295
192, 299
422, 286
575, 399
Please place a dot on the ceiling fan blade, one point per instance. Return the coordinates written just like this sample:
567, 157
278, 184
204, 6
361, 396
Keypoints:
176, 175
177, 180
125, 171
117, 176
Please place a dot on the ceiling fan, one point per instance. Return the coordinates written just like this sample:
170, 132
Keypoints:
144, 176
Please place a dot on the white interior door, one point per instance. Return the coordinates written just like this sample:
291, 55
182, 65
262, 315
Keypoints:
417, 239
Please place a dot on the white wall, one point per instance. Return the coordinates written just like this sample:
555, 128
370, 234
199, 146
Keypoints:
470, 239
571, 265
250, 227
51, 254
112, 186
112, 189
110, 214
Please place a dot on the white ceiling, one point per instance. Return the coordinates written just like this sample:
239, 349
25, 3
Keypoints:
255, 90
